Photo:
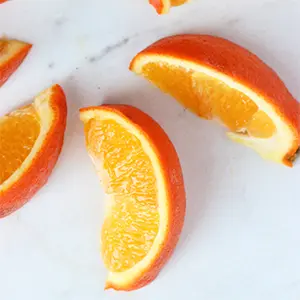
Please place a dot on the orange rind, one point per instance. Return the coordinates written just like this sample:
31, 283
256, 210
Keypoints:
141, 174
217, 79
31, 141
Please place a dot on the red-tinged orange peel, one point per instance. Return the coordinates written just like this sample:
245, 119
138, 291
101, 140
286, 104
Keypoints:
142, 176
31, 141
12, 54
217, 79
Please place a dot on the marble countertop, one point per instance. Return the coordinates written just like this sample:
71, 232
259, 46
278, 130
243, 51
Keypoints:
241, 238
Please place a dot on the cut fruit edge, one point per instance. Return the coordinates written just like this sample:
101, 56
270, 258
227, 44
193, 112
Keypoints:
163, 6
50, 106
171, 203
12, 57
285, 140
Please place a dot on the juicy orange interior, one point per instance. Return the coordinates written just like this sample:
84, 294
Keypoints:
177, 2
2, 44
211, 98
18, 133
127, 174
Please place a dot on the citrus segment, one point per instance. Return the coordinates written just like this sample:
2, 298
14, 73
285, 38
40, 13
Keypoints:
141, 174
178, 2
208, 98
217, 79
163, 6
129, 232
18, 133
31, 139
12, 54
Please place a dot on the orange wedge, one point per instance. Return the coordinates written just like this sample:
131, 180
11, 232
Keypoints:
31, 139
164, 6
217, 79
141, 174
12, 54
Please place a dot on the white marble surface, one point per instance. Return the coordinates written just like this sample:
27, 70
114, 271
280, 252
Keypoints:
241, 240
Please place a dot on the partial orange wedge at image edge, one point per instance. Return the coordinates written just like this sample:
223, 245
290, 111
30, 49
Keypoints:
12, 54
217, 79
141, 174
164, 6
31, 141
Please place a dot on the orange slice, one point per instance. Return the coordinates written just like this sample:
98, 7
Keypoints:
31, 139
217, 79
164, 6
12, 54
141, 174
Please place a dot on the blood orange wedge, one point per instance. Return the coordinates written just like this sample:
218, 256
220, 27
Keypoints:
215, 78
164, 6
141, 174
12, 54
31, 139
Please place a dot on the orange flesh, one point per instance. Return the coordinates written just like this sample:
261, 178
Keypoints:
128, 178
18, 133
177, 2
2, 45
210, 98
